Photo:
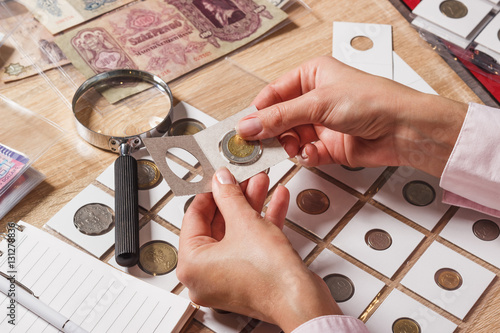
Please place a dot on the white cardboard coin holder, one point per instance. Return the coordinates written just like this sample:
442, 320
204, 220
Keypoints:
391, 195
377, 60
359, 180
459, 231
300, 243
352, 240
277, 172
399, 305
488, 41
421, 280
147, 198
62, 221
150, 232
366, 286
320, 224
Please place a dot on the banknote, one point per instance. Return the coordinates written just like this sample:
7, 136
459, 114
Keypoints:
168, 38
12, 164
28, 50
279, 3
59, 15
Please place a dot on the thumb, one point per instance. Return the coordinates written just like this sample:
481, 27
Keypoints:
276, 119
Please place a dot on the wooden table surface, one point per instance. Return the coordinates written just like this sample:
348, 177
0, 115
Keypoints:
227, 86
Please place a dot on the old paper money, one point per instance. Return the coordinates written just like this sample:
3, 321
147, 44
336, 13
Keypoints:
167, 38
59, 15
30, 49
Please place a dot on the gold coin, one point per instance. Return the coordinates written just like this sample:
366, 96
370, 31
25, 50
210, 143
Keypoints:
157, 257
453, 9
312, 201
378, 239
239, 151
448, 279
239, 147
148, 175
186, 126
405, 325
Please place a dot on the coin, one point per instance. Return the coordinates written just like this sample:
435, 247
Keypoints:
498, 34
188, 203
486, 230
239, 151
341, 287
186, 126
448, 279
378, 239
312, 201
148, 175
157, 257
94, 219
351, 168
419, 193
453, 9
405, 325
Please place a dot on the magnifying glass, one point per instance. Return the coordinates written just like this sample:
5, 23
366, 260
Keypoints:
114, 111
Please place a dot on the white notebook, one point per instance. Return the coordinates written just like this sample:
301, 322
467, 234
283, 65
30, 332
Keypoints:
89, 292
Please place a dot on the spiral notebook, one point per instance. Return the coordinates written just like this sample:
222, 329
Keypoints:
89, 292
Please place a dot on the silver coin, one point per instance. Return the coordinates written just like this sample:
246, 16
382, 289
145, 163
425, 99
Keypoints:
239, 151
419, 193
94, 219
453, 9
341, 287
148, 175
378, 239
486, 230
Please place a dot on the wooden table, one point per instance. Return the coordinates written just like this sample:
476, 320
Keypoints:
72, 164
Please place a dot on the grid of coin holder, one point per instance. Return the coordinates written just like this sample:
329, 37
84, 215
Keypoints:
352, 240
150, 232
366, 286
459, 231
391, 195
421, 279
398, 305
320, 224
147, 198
360, 180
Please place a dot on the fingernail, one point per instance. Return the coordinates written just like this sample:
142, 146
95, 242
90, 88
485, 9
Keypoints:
304, 154
224, 176
249, 127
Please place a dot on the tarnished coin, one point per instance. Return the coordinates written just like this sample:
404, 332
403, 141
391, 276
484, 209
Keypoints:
94, 219
419, 193
312, 201
157, 257
453, 9
378, 239
341, 287
406, 325
239, 151
486, 230
188, 203
352, 169
186, 126
148, 175
448, 279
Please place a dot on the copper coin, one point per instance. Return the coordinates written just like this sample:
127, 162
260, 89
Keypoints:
448, 279
157, 257
419, 193
312, 201
378, 239
486, 230
94, 219
148, 175
352, 168
453, 9
188, 203
239, 151
186, 126
405, 325
341, 287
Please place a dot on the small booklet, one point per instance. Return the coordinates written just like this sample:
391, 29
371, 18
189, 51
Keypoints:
90, 293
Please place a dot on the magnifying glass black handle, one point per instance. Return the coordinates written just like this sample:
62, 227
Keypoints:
126, 212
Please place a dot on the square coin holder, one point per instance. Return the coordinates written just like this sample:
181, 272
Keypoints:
391, 195
354, 239
278, 171
366, 287
398, 305
488, 41
461, 230
62, 221
320, 224
147, 198
359, 180
422, 279
150, 232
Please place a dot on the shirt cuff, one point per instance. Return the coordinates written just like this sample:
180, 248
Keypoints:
333, 323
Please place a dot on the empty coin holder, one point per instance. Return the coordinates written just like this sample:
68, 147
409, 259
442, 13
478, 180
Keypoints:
422, 279
358, 179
